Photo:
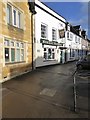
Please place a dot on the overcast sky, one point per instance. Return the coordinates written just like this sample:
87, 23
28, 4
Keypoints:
74, 12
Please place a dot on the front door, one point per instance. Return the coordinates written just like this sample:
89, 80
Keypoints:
62, 57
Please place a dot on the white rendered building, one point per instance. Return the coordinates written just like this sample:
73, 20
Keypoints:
47, 42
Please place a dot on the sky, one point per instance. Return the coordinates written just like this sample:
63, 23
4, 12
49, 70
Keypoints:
75, 12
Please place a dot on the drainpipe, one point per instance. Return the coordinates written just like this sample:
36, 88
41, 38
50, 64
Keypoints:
32, 38
31, 4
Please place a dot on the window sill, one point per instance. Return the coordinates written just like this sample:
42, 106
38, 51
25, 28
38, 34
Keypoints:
71, 57
10, 63
14, 27
49, 60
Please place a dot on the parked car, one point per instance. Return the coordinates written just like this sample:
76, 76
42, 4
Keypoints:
83, 62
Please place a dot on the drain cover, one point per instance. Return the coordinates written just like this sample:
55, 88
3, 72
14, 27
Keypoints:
48, 92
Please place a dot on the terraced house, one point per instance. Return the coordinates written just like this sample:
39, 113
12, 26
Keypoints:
15, 39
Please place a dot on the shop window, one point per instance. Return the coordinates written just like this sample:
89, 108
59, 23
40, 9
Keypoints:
49, 53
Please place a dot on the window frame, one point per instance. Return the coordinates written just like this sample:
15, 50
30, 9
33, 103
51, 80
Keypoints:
10, 14
15, 47
68, 34
46, 32
52, 53
19, 24
54, 36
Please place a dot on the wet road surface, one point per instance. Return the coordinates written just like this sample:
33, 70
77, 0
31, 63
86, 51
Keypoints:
46, 92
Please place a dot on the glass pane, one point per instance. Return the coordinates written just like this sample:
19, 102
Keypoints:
49, 53
6, 42
43, 31
6, 54
8, 14
14, 16
18, 55
22, 55
17, 44
12, 54
22, 45
45, 56
12, 43
19, 19
44, 49
53, 55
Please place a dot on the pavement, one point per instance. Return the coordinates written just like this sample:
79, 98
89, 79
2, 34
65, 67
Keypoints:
46, 92
82, 85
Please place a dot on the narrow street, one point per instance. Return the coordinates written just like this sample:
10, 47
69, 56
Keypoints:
46, 92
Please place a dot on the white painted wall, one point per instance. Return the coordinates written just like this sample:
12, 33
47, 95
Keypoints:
71, 43
51, 22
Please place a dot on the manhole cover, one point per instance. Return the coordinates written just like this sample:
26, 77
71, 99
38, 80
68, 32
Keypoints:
48, 92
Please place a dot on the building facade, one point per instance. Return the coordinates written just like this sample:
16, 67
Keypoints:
76, 42
47, 42
15, 39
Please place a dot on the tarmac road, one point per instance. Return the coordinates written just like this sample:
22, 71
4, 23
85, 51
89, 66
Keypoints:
46, 92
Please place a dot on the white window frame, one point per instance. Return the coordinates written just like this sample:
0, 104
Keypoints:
46, 31
17, 19
20, 47
54, 36
10, 19
76, 39
52, 52
71, 36
13, 17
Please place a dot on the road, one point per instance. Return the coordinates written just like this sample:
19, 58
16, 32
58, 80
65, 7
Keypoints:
46, 92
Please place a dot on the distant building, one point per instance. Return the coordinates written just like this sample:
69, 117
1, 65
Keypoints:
76, 42
15, 39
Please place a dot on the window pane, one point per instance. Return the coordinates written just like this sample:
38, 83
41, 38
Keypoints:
22, 45
44, 49
53, 34
8, 14
14, 16
17, 44
49, 53
19, 19
53, 55
22, 55
12, 43
18, 54
43, 31
67, 34
6, 54
45, 55
12, 54
6, 42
